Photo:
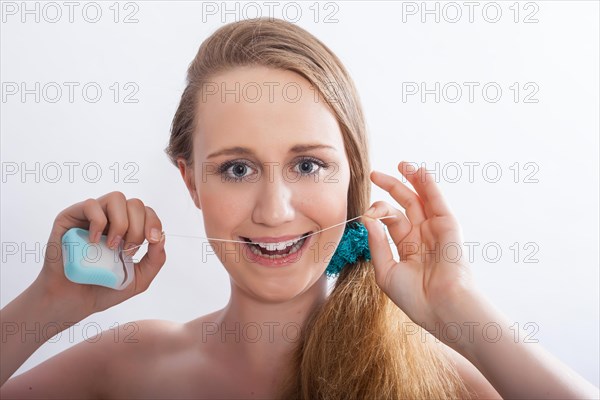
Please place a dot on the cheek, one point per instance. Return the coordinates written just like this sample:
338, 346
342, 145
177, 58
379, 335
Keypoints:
327, 206
324, 202
223, 209
329, 196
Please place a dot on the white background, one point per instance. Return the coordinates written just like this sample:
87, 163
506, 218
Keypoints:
382, 47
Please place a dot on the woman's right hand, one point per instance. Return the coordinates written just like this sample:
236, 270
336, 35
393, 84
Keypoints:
119, 218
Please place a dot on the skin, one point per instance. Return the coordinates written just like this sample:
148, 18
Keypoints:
270, 202
439, 291
279, 203
174, 360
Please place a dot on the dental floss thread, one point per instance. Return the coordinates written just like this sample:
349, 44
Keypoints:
240, 241
354, 244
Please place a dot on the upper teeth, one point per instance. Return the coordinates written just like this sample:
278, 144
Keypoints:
278, 245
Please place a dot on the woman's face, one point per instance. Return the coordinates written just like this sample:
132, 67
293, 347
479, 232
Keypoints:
269, 161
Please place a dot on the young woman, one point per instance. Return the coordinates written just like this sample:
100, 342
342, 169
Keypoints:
272, 167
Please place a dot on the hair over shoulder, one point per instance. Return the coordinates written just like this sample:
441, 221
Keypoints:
355, 344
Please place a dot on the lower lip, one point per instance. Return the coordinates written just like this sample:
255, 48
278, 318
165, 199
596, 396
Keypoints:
275, 262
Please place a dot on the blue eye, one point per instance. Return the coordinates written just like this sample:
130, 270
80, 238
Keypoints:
236, 170
306, 166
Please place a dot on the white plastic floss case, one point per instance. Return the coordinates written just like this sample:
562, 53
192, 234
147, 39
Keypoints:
95, 263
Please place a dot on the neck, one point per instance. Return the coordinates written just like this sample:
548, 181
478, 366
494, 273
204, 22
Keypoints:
260, 334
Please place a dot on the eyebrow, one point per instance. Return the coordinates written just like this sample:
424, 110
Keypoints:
299, 148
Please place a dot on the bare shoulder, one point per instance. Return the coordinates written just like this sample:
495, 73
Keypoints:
139, 359
148, 337
89, 368
145, 350
472, 377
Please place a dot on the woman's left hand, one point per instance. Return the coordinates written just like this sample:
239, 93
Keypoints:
432, 273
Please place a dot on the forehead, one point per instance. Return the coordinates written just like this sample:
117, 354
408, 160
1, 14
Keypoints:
258, 106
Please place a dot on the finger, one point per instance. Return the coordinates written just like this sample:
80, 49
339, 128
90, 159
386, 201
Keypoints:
95, 214
427, 188
115, 205
87, 214
381, 253
408, 199
149, 266
398, 227
136, 213
153, 226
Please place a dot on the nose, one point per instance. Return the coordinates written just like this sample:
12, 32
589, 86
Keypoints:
274, 203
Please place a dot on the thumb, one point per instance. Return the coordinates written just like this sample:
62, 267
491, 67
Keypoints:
149, 266
379, 247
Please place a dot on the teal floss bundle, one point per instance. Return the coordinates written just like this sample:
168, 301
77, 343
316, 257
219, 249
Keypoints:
354, 244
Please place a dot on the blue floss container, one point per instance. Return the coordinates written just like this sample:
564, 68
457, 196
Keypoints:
95, 263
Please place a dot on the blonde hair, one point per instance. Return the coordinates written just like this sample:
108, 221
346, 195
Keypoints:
354, 345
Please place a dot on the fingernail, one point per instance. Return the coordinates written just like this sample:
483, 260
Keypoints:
155, 234
367, 220
370, 211
115, 242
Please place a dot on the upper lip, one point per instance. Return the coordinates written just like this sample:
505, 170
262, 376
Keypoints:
271, 239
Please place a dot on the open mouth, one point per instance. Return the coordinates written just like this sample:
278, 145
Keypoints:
277, 250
